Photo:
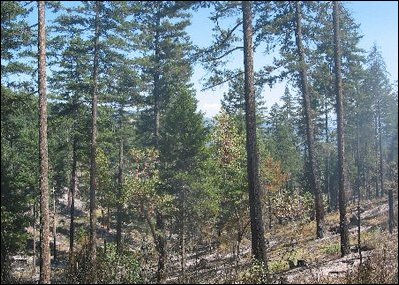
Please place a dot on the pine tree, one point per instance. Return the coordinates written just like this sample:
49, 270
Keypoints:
340, 129
19, 136
295, 18
43, 150
181, 144
165, 64
257, 227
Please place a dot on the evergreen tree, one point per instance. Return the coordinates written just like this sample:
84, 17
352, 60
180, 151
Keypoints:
255, 206
340, 129
43, 150
182, 142
165, 65
19, 136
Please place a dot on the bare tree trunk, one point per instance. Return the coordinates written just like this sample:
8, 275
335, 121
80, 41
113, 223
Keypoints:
182, 236
54, 227
34, 238
119, 205
314, 179
156, 81
358, 188
377, 155
160, 223
93, 150
340, 125
72, 192
327, 178
45, 270
255, 206
390, 190
161, 247
380, 146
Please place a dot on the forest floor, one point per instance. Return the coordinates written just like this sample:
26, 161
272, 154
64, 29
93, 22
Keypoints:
294, 255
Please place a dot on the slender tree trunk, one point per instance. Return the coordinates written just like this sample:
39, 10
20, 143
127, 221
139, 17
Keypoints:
120, 189
380, 146
93, 150
327, 182
390, 190
34, 237
156, 82
269, 202
160, 223
377, 155
72, 209
358, 187
161, 247
255, 206
54, 227
119, 205
340, 125
182, 235
45, 270
314, 179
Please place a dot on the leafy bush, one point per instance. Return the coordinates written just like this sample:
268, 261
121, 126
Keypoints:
115, 268
278, 266
333, 248
256, 274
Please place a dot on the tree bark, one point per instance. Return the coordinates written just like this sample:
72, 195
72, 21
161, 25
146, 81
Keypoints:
377, 155
392, 177
327, 178
160, 223
120, 189
314, 178
182, 235
54, 227
119, 203
72, 209
34, 237
160, 247
156, 81
358, 186
380, 146
255, 206
340, 125
45, 270
93, 150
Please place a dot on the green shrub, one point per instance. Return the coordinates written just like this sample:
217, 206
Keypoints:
278, 266
332, 248
115, 268
256, 274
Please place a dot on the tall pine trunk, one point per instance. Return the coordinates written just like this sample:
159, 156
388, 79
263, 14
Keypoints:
34, 238
119, 203
340, 126
45, 270
72, 209
160, 223
54, 227
377, 154
93, 150
392, 177
314, 179
182, 234
381, 172
255, 206
358, 184
160, 247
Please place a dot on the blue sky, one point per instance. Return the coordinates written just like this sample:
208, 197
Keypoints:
378, 23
